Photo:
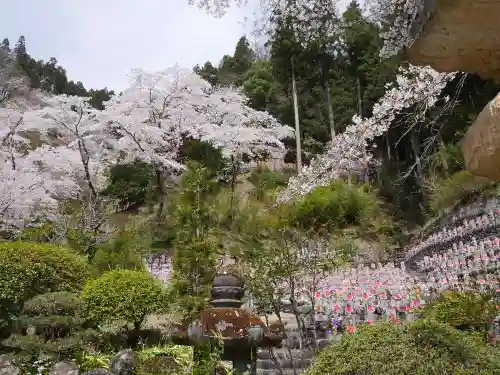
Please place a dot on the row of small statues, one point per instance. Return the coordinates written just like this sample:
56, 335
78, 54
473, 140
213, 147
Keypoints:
468, 227
160, 266
472, 256
477, 208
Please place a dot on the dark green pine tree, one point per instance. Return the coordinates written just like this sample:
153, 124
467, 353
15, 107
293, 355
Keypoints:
208, 72
243, 57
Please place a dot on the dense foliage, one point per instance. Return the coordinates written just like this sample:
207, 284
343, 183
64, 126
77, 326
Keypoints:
123, 296
29, 269
425, 347
57, 324
182, 169
464, 311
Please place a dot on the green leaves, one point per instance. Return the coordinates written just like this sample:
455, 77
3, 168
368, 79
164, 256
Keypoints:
425, 347
463, 310
123, 295
29, 269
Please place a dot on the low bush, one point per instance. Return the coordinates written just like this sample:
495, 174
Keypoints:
263, 179
459, 188
340, 206
51, 324
425, 347
124, 252
463, 310
29, 269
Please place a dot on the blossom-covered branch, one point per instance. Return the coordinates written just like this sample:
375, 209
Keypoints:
402, 20
417, 87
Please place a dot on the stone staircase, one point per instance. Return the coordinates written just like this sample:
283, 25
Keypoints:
285, 359
290, 355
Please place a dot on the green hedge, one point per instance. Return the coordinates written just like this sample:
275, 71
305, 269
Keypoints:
28, 269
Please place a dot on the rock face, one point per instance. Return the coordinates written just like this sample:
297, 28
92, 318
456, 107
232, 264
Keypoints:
481, 144
460, 35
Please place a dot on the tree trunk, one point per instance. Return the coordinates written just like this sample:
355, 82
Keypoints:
330, 110
416, 152
161, 190
388, 145
233, 186
297, 123
360, 114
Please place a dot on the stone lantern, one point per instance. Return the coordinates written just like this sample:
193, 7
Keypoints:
241, 332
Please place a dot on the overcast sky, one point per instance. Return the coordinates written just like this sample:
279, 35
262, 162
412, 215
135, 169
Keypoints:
98, 42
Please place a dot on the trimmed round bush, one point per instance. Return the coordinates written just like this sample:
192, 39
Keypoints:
52, 324
425, 347
122, 295
28, 269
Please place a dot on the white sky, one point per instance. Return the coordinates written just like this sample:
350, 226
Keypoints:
98, 42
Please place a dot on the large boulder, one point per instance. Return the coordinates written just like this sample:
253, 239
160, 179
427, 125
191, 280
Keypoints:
459, 35
64, 368
481, 144
98, 371
7, 367
124, 363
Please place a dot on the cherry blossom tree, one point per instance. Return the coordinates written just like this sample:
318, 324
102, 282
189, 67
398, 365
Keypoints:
151, 119
417, 87
402, 21
26, 193
49, 154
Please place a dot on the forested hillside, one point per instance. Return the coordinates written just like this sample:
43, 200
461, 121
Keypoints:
49, 76
344, 75
335, 81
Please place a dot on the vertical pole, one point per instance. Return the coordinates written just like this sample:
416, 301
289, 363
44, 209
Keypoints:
297, 124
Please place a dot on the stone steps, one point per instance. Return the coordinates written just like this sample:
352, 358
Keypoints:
287, 360
277, 372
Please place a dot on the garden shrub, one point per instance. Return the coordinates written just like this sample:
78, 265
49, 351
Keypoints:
124, 252
51, 324
165, 360
425, 347
451, 351
263, 179
463, 310
29, 269
459, 188
381, 348
339, 206
123, 296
